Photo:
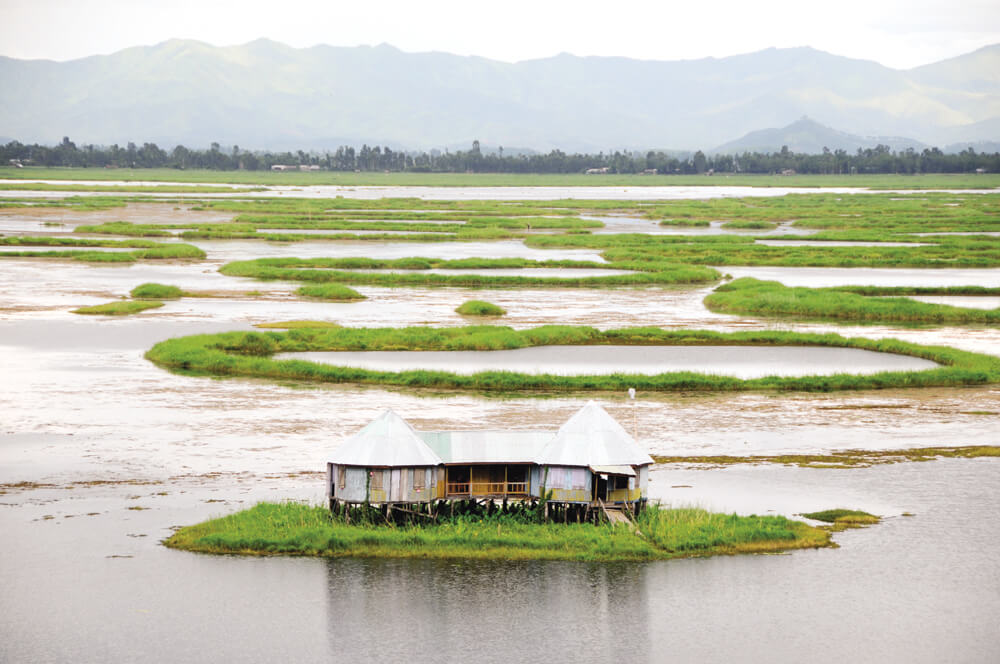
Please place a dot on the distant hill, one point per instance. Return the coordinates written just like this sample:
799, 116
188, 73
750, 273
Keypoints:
267, 95
809, 137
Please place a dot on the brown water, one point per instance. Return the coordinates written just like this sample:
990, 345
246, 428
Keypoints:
84, 578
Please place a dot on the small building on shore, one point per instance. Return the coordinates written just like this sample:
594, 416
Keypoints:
589, 460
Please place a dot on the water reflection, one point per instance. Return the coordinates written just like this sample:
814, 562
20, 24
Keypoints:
398, 610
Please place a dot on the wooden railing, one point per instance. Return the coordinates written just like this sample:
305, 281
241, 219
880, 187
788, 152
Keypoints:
487, 488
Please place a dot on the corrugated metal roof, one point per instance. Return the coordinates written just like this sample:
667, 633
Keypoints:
613, 470
592, 437
487, 446
388, 440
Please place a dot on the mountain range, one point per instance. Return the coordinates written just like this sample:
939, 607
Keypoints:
265, 95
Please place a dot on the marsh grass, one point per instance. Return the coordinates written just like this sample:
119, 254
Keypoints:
248, 354
480, 308
332, 270
153, 291
771, 298
296, 324
841, 519
119, 308
296, 529
331, 293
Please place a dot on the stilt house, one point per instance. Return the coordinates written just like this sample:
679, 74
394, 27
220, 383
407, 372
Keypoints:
590, 459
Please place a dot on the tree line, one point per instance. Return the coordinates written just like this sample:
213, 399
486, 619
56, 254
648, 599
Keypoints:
878, 160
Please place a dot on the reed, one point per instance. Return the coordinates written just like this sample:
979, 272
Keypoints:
771, 298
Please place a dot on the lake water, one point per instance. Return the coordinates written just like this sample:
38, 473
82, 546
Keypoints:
738, 361
96, 431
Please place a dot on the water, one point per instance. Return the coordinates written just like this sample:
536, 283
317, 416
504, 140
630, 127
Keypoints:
98, 430
516, 193
739, 361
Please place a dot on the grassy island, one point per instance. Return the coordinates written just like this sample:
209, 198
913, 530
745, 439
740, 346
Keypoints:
480, 308
119, 308
342, 270
296, 529
248, 354
771, 298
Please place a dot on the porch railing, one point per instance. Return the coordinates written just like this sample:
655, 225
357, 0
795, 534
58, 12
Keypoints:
487, 488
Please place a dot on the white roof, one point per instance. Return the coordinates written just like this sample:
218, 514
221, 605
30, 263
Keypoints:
487, 446
592, 438
388, 440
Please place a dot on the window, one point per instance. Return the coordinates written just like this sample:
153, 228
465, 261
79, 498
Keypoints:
376, 479
342, 476
419, 477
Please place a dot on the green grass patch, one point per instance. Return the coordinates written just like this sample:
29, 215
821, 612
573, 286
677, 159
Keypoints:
321, 270
153, 291
248, 354
296, 529
480, 308
771, 298
90, 250
119, 308
750, 224
842, 516
330, 292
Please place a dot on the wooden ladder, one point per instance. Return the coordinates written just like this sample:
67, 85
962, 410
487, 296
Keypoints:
615, 514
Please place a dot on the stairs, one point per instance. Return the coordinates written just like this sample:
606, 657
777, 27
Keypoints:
616, 515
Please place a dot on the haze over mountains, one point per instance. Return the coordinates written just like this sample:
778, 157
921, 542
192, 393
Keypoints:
264, 95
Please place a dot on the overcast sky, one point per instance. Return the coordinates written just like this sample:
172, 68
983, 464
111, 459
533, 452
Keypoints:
897, 33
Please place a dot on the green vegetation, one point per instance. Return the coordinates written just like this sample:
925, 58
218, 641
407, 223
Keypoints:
770, 298
151, 291
750, 224
845, 459
843, 518
247, 354
119, 308
295, 529
89, 250
318, 270
331, 292
941, 252
479, 308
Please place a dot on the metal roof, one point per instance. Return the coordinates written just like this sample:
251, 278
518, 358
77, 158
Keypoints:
613, 470
592, 437
487, 446
388, 440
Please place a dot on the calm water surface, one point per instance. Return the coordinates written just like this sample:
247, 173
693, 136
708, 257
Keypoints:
95, 429
738, 361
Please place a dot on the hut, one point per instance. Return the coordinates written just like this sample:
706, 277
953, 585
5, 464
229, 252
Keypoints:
589, 460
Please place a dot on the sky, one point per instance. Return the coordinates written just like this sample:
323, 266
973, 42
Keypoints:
897, 33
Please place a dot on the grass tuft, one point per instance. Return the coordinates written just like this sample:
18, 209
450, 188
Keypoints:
480, 308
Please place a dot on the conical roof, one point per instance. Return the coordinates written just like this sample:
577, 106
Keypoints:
388, 440
592, 438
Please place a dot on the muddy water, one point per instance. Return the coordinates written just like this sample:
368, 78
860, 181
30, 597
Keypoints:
84, 578
970, 301
738, 361
625, 224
